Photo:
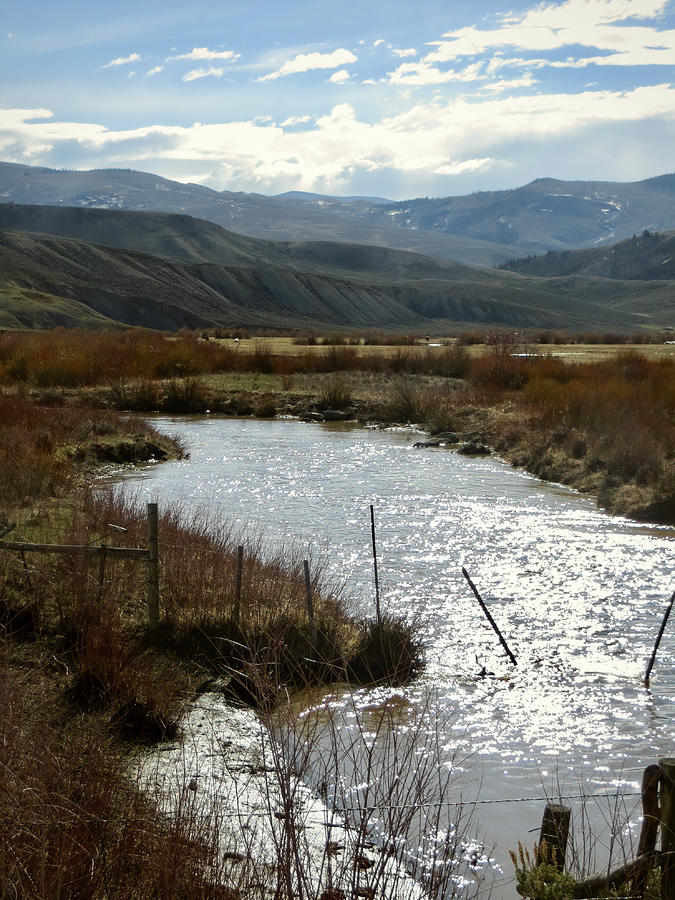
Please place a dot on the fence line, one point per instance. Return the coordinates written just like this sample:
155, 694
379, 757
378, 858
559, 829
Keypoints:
149, 553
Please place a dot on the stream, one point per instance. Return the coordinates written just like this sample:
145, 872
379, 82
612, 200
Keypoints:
578, 595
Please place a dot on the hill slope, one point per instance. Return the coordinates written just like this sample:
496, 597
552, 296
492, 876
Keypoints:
648, 256
208, 276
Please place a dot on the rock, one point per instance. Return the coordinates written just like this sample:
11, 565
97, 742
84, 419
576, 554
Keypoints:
474, 447
448, 437
419, 444
335, 415
310, 416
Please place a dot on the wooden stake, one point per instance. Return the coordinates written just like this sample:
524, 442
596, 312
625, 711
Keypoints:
310, 602
488, 616
555, 829
667, 828
377, 582
635, 873
238, 582
101, 571
658, 639
153, 566
650, 827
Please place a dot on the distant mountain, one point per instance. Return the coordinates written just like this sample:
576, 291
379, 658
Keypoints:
645, 257
546, 214
295, 216
166, 271
306, 195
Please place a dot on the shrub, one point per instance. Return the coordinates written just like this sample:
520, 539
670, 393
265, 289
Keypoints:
335, 394
389, 650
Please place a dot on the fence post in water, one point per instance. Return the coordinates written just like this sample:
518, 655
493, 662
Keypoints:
377, 582
310, 602
488, 616
667, 828
238, 581
555, 829
658, 639
153, 566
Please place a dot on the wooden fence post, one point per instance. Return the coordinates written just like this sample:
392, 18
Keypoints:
310, 602
153, 566
377, 580
101, 572
667, 828
238, 582
555, 829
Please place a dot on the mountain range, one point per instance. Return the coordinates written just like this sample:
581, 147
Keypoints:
79, 265
484, 228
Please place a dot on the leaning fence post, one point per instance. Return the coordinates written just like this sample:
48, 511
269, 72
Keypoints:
310, 602
667, 828
488, 616
658, 639
555, 829
153, 566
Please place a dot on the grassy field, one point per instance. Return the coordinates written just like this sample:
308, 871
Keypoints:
582, 352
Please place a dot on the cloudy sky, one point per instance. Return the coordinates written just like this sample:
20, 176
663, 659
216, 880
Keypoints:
397, 99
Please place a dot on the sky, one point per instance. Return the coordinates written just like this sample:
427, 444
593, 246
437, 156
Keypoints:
395, 99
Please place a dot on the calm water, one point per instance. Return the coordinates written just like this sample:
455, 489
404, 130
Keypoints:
579, 595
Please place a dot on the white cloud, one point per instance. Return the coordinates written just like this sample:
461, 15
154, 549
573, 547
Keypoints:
461, 168
509, 84
410, 51
439, 139
131, 74
203, 53
122, 61
305, 62
195, 74
155, 71
379, 42
294, 120
422, 73
340, 76
601, 25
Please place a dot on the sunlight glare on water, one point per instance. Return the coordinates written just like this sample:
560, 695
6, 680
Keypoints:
578, 595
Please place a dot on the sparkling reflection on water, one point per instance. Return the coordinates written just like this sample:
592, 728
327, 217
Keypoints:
579, 595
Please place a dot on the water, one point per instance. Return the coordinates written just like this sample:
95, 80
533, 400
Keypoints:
578, 595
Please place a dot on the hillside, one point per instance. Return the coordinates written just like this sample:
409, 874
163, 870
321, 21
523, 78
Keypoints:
166, 271
294, 217
648, 256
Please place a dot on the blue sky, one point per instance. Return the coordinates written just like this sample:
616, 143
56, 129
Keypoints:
395, 99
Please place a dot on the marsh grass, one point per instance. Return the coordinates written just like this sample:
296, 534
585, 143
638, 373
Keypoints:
100, 677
